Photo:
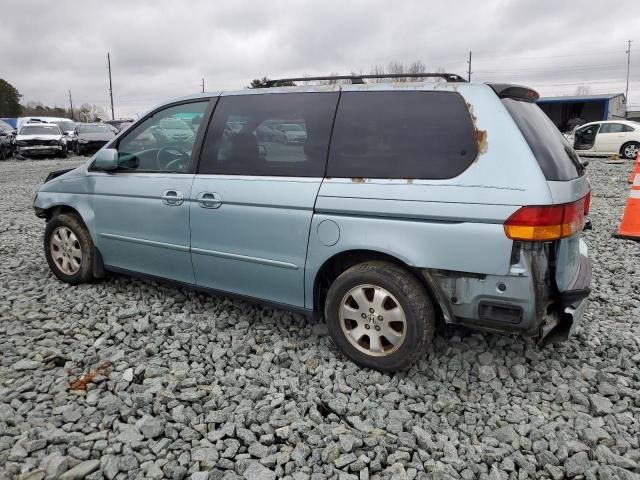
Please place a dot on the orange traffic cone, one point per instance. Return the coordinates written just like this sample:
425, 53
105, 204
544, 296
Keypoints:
636, 168
630, 225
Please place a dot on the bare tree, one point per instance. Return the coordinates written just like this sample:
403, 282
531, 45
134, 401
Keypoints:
583, 90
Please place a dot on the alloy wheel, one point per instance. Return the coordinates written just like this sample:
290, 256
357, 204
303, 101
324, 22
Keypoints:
65, 250
372, 320
631, 151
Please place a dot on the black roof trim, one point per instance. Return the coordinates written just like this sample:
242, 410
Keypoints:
357, 79
506, 90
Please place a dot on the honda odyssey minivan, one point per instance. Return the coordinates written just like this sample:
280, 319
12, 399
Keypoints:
403, 204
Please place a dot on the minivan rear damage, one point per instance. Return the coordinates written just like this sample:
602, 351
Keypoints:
526, 300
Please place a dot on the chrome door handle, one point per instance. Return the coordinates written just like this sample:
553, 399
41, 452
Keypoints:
172, 198
209, 200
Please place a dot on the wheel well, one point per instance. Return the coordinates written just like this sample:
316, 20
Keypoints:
628, 143
57, 210
333, 267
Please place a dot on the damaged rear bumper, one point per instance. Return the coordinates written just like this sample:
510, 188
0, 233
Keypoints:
524, 301
573, 303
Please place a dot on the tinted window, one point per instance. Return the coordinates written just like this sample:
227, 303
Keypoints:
154, 147
615, 128
405, 134
555, 156
269, 134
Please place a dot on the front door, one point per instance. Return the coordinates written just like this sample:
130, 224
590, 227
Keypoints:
252, 200
142, 209
585, 137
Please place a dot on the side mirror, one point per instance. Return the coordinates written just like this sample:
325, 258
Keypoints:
106, 160
262, 151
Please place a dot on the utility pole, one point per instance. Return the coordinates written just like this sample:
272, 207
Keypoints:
113, 117
203, 85
628, 52
469, 62
71, 103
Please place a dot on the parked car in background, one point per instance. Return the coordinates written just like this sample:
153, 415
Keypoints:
289, 133
40, 139
175, 130
407, 204
90, 137
7, 134
612, 137
7, 139
66, 125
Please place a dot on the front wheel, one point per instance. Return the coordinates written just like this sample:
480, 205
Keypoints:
380, 316
69, 249
630, 150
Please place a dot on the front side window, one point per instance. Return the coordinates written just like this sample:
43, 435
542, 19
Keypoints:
163, 142
404, 134
272, 134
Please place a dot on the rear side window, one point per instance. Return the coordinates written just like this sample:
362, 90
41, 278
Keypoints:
403, 134
270, 134
555, 156
615, 128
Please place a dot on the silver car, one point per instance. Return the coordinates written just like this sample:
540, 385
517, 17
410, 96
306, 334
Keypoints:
406, 204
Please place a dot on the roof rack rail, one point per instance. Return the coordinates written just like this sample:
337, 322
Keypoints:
358, 79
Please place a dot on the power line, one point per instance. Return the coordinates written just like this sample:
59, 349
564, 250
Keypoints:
203, 85
469, 71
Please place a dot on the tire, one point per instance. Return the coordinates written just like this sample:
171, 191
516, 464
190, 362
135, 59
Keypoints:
78, 243
382, 287
630, 150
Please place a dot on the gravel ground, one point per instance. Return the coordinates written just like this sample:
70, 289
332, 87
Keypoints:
183, 385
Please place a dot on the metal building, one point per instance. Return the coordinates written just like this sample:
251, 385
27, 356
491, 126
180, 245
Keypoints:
567, 112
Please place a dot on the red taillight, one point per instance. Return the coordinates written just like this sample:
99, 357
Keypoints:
587, 203
546, 223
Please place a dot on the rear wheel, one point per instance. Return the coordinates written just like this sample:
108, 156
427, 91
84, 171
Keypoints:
630, 150
69, 249
380, 316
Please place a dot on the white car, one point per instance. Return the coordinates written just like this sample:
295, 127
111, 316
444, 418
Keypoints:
612, 137
40, 139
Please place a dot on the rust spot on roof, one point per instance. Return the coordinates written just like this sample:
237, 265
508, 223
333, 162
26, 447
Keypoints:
358, 180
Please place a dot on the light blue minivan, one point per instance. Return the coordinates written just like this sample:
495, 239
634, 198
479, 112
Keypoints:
382, 206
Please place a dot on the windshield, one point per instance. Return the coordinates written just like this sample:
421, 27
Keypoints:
40, 130
65, 126
292, 128
174, 124
95, 129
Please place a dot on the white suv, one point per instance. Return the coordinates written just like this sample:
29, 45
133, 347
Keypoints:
615, 137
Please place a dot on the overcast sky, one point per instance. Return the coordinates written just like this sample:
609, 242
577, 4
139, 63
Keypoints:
161, 49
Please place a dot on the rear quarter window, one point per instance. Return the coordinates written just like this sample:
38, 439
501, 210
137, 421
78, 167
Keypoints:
402, 134
556, 157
